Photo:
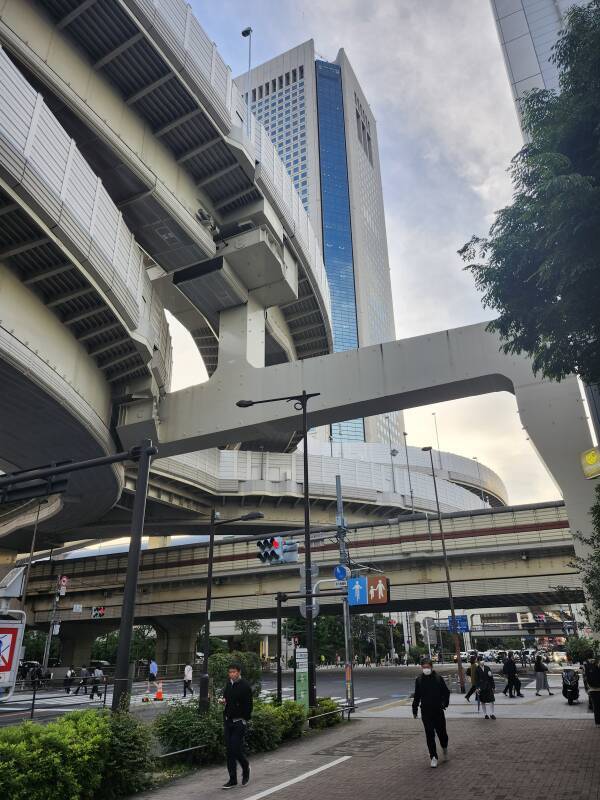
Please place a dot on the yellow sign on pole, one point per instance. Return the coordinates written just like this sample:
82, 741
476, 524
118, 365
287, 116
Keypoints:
590, 463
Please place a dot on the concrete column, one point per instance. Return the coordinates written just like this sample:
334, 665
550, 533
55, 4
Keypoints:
242, 335
175, 643
76, 642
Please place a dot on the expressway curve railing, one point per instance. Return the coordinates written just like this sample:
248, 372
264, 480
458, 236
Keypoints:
194, 55
46, 168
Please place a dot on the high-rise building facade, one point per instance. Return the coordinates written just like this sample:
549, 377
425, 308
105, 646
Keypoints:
528, 30
325, 132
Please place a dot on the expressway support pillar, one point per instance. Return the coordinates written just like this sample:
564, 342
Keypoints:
242, 335
175, 645
76, 642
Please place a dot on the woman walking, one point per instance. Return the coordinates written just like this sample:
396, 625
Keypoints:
541, 677
486, 688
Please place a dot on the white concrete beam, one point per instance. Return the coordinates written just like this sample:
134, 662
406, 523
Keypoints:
376, 380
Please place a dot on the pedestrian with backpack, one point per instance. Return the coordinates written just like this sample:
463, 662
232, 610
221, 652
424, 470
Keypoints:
432, 694
591, 671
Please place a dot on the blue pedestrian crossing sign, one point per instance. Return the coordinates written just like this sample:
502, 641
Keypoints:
357, 591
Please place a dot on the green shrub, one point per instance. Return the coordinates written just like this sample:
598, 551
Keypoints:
293, 719
266, 728
579, 647
181, 726
251, 669
63, 760
324, 706
128, 761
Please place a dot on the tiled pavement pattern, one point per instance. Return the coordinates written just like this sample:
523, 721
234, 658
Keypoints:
533, 758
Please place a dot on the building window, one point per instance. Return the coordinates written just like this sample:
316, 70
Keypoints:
294, 76
358, 123
280, 82
266, 88
254, 95
301, 72
287, 78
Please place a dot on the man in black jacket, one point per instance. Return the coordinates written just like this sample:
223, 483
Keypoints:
513, 684
237, 698
432, 694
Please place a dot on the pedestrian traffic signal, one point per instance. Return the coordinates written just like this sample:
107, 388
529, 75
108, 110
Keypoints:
276, 550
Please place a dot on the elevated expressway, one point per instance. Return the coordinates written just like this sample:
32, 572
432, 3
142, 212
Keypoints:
500, 557
130, 184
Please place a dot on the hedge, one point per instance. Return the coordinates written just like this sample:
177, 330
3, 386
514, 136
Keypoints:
218, 664
180, 726
85, 755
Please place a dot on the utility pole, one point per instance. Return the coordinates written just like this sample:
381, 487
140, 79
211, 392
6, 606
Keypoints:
461, 674
55, 602
345, 560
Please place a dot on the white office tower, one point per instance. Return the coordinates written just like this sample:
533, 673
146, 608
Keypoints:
528, 30
325, 132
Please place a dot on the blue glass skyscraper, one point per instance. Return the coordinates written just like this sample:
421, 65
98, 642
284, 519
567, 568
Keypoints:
320, 121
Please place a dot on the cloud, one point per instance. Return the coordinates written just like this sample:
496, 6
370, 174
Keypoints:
435, 78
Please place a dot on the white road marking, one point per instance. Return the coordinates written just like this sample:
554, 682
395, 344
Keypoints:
299, 779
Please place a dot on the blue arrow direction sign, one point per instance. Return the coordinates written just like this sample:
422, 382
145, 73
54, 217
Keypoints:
357, 591
462, 624
340, 572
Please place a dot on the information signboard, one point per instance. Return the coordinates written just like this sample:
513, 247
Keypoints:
302, 676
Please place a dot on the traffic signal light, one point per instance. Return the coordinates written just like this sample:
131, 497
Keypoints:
276, 550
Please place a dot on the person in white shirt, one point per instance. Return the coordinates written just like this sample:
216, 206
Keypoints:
188, 674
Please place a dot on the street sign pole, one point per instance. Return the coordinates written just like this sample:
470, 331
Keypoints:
344, 560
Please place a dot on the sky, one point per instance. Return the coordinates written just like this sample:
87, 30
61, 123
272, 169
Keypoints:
434, 76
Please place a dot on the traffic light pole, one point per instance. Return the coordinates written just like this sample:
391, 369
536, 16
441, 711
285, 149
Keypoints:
281, 598
310, 644
121, 688
203, 701
345, 559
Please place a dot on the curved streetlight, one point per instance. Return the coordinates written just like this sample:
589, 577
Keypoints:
203, 702
461, 674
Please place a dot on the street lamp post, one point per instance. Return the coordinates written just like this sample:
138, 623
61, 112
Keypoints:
300, 402
203, 702
437, 437
461, 674
247, 34
412, 498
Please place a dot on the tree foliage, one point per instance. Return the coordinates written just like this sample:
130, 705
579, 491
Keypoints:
539, 267
589, 566
248, 630
143, 644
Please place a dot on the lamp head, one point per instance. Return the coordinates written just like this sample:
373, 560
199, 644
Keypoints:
426, 449
252, 515
246, 32
245, 403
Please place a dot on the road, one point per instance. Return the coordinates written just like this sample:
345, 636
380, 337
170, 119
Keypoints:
371, 686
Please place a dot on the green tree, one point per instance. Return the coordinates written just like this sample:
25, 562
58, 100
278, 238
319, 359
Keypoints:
589, 566
248, 630
34, 643
539, 267
143, 645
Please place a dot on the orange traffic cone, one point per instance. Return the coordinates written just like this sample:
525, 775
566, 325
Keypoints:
159, 692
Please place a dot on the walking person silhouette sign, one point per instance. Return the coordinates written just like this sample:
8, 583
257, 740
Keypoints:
367, 591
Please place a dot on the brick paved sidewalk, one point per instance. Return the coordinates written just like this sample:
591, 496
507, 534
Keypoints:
500, 760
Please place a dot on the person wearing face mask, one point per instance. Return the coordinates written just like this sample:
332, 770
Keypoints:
432, 694
485, 689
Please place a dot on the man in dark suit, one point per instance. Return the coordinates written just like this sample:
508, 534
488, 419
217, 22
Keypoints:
238, 702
